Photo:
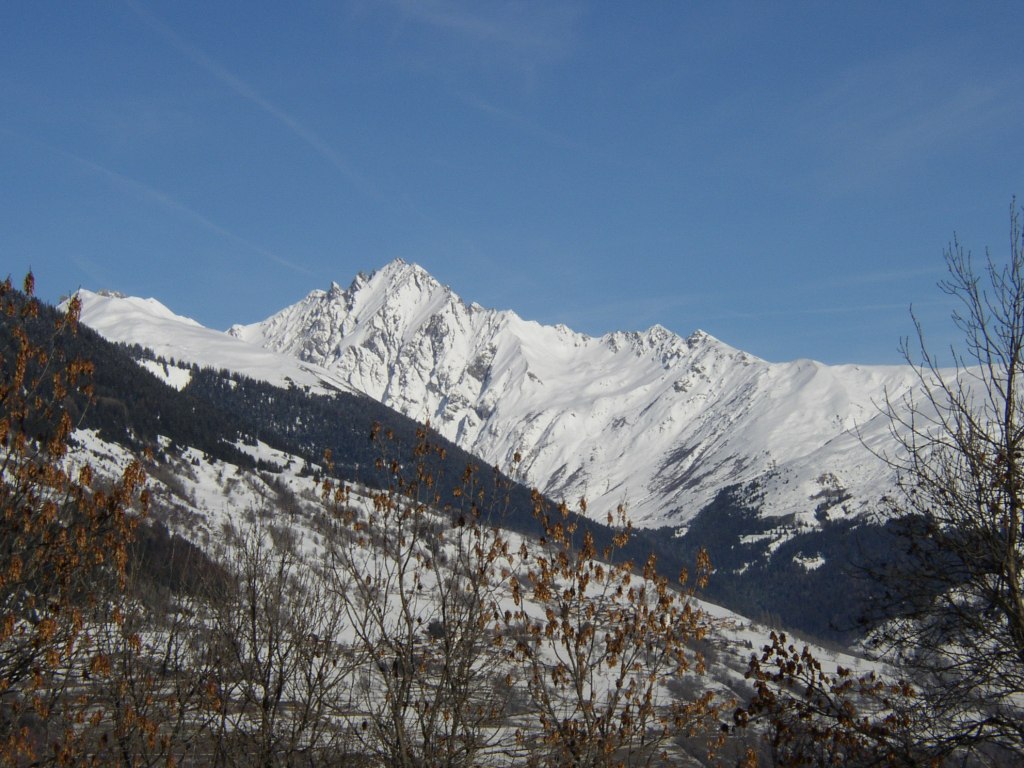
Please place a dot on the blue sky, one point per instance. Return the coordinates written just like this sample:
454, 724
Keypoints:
784, 176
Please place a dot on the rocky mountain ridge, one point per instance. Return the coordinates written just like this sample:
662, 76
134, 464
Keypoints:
650, 419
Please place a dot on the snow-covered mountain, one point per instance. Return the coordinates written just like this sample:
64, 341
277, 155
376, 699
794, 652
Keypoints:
658, 422
150, 324
649, 419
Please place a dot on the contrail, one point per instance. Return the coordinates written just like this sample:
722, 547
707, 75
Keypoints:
247, 92
164, 199
169, 202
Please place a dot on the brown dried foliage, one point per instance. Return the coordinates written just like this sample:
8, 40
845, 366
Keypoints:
810, 717
547, 653
598, 653
63, 539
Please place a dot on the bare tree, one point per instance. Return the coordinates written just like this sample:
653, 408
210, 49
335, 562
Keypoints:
420, 579
152, 675
809, 717
599, 642
960, 466
275, 659
153, 687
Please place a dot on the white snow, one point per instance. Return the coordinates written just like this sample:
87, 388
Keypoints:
149, 323
170, 374
649, 419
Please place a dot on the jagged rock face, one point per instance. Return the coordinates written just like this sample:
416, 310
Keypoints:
652, 420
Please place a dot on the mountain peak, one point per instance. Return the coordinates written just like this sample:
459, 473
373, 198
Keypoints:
128, 309
399, 271
701, 338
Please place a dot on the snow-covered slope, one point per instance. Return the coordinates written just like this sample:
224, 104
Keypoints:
651, 419
150, 324
658, 422
216, 505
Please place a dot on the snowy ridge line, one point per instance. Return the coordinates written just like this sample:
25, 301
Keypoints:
650, 419
150, 324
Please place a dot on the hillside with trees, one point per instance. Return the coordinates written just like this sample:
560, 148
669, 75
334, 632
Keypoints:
237, 574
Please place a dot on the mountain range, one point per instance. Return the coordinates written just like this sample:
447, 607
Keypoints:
651, 420
774, 463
